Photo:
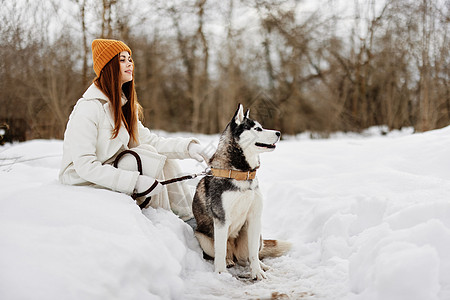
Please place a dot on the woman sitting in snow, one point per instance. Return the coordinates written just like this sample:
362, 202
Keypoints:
104, 122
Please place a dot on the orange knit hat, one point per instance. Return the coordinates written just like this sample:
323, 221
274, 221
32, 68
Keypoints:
104, 50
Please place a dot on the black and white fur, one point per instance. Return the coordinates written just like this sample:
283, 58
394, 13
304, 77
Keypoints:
227, 211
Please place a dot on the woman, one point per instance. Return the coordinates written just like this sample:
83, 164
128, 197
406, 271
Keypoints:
104, 122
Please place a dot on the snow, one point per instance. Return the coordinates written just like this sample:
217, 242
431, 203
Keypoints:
368, 216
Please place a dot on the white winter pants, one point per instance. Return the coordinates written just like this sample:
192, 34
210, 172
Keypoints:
176, 196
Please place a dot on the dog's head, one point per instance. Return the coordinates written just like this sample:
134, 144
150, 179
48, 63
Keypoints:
250, 135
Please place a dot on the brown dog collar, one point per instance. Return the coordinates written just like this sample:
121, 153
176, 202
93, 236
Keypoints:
234, 174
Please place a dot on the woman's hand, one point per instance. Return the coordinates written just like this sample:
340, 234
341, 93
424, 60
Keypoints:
196, 151
144, 185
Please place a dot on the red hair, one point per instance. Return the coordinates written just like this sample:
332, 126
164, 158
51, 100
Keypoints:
108, 82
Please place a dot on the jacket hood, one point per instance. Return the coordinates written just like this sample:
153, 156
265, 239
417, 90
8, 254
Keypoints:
93, 92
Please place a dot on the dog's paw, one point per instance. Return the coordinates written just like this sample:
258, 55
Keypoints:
258, 275
230, 263
220, 268
264, 267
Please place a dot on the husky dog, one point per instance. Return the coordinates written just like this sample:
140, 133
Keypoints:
228, 205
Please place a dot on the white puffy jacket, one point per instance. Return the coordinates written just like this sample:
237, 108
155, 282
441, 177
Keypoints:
88, 150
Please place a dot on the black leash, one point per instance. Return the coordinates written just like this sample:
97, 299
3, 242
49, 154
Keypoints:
169, 181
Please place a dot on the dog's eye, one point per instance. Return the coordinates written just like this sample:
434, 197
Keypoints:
258, 129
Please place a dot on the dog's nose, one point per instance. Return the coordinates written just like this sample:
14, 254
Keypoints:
278, 133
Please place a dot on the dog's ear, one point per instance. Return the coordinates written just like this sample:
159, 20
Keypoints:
239, 115
247, 113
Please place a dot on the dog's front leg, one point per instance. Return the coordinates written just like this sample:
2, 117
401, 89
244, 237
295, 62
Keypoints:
254, 233
220, 246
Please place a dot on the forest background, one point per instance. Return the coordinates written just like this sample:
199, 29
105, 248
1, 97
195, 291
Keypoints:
319, 66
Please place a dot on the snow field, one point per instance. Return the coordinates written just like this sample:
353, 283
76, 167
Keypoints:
368, 217
377, 207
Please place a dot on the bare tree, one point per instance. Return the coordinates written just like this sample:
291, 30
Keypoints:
383, 64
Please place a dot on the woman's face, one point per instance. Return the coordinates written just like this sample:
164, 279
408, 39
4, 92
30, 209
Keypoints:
126, 67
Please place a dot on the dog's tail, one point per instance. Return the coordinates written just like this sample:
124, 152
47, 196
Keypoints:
274, 248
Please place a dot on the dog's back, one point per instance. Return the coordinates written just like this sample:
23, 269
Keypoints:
201, 207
